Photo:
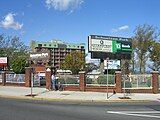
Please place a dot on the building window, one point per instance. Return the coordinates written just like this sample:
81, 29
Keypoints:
44, 44
39, 45
82, 47
49, 44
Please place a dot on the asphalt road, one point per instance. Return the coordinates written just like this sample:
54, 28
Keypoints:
13, 109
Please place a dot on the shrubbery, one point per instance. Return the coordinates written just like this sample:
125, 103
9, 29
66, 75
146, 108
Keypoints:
103, 80
68, 80
88, 80
127, 84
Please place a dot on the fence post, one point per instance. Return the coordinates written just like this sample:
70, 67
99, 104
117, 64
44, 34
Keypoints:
82, 80
3, 78
48, 78
118, 82
28, 71
155, 82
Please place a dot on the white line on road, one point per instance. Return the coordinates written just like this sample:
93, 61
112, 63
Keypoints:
135, 113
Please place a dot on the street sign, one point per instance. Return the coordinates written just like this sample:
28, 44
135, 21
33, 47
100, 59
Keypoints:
112, 64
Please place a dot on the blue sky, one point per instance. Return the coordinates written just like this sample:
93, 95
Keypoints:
73, 20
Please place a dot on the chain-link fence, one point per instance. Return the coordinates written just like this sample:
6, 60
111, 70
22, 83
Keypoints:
100, 80
15, 78
137, 81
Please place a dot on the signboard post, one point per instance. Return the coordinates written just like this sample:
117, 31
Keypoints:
32, 80
107, 77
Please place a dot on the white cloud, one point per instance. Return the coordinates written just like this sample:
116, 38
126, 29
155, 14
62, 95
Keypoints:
9, 22
63, 5
125, 27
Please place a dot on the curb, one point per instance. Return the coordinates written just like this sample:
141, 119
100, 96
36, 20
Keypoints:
75, 100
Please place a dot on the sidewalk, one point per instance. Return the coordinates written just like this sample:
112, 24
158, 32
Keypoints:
43, 94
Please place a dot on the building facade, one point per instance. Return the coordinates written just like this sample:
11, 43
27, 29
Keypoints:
57, 50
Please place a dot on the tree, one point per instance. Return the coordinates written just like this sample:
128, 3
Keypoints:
89, 67
15, 50
155, 56
18, 65
144, 37
74, 61
133, 63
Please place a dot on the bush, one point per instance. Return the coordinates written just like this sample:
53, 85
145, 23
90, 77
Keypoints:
103, 80
149, 82
68, 80
61, 80
88, 80
127, 84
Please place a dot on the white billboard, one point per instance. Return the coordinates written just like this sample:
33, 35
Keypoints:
3, 60
112, 64
100, 45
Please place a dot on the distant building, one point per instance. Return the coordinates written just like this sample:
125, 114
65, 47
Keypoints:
57, 51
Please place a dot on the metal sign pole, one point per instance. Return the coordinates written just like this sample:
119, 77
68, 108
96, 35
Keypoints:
32, 82
107, 77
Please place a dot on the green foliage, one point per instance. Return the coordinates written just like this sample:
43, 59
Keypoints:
18, 65
88, 80
68, 80
74, 62
127, 84
15, 50
112, 71
144, 37
155, 56
149, 82
103, 80
89, 67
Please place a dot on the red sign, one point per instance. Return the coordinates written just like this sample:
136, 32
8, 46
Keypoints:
3, 61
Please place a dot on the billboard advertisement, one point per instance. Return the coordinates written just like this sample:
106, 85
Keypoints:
3, 61
112, 64
108, 44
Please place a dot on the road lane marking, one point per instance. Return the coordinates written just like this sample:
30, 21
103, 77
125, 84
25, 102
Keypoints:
145, 112
136, 113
